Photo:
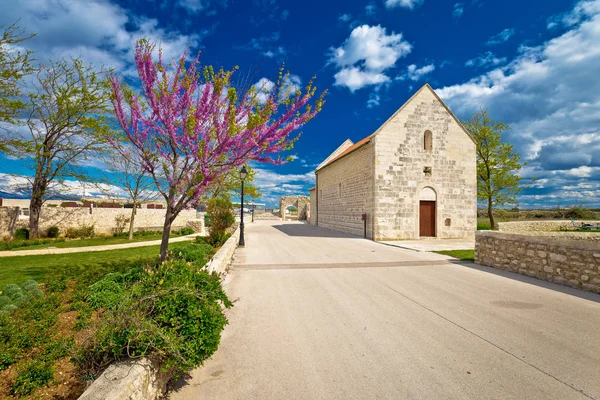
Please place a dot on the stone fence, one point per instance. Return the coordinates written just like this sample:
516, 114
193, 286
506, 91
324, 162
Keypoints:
103, 219
539, 226
574, 263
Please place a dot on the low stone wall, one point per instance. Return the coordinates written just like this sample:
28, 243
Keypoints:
222, 259
103, 219
538, 226
573, 263
139, 379
566, 235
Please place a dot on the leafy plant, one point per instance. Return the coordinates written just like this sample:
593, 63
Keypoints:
221, 218
53, 232
83, 231
121, 222
186, 230
34, 374
22, 234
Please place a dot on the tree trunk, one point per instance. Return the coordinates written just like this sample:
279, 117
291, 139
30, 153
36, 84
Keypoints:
131, 220
164, 244
35, 207
491, 214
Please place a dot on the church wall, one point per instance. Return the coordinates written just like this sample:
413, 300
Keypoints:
345, 192
400, 159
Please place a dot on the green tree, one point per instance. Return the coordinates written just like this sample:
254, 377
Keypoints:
15, 63
230, 183
67, 113
497, 164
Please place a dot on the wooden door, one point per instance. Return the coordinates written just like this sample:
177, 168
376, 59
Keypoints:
427, 218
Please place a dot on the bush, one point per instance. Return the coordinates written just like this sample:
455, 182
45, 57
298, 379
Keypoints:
15, 244
186, 230
199, 253
216, 240
221, 217
173, 313
22, 234
121, 222
83, 231
53, 232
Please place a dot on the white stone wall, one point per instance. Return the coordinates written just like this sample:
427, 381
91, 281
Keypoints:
103, 219
312, 217
345, 192
399, 176
574, 263
539, 226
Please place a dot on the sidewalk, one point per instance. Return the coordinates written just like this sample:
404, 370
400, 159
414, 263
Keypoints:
38, 252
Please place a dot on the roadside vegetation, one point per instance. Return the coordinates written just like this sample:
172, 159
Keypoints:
60, 243
463, 255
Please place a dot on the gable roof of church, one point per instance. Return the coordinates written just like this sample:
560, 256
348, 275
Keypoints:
330, 160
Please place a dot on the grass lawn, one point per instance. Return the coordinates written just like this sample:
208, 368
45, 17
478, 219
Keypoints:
464, 255
99, 241
18, 269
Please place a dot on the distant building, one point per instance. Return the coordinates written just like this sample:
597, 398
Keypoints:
414, 177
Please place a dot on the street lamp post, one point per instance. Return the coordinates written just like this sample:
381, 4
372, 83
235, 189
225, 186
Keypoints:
253, 210
243, 174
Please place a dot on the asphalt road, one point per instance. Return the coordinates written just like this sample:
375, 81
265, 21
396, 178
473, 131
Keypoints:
322, 315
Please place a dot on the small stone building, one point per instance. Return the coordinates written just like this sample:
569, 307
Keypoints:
414, 177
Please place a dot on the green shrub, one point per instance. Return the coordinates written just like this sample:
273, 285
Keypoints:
186, 230
82, 232
22, 234
57, 283
221, 217
206, 220
34, 374
215, 240
107, 292
172, 313
198, 253
53, 232
15, 244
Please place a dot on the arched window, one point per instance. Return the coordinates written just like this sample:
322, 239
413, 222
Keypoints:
428, 141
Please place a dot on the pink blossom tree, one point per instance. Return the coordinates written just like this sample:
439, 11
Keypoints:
191, 127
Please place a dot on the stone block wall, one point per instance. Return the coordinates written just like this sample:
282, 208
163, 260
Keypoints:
539, 226
345, 191
103, 219
312, 215
573, 263
400, 161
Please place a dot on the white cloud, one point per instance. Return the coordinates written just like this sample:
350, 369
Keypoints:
409, 4
550, 96
263, 88
353, 78
415, 73
199, 6
99, 31
501, 37
582, 11
374, 100
370, 9
273, 184
20, 186
366, 55
345, 17
488, 59
458, 10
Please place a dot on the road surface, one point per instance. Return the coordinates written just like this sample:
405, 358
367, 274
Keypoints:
323, 315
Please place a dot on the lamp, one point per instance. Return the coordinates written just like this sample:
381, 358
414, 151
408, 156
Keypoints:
243, 174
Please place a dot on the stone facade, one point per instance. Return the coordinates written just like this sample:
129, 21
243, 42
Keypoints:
539, 226
302, 204
573, 263
388, 174
345, 193
103, 219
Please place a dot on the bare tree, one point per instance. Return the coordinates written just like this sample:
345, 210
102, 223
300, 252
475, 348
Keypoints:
135, 181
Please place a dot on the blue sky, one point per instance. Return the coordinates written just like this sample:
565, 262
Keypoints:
533, 64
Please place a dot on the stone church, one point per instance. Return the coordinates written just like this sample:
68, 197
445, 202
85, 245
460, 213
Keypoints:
414, 177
